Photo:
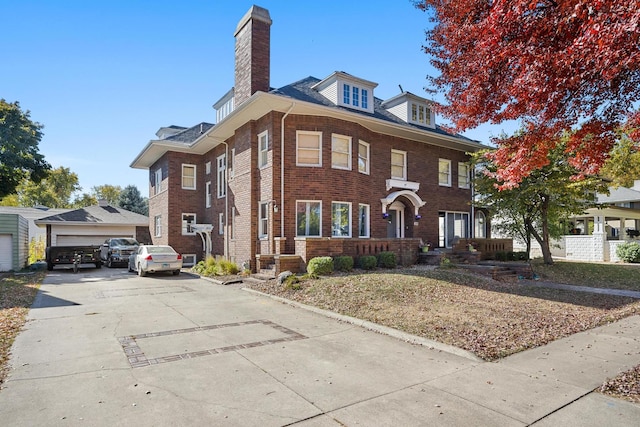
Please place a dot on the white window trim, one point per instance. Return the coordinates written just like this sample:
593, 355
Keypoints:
195, 221
263, 153
221, 177
348, 153
221, 223
319, 224
263, 233
368, 222
207, 168
467, 183
308, 132
448, 184
349, 225
207, 194
404, 166
195, 175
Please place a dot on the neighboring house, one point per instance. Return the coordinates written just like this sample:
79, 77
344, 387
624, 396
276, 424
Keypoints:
316, 167
93, 225
596, 234
14, 242
31, 214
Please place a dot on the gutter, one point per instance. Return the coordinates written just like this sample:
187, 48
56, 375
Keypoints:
282, 169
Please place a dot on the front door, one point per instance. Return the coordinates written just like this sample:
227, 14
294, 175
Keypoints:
395, 225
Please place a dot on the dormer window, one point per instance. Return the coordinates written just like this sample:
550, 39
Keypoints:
411, 109
224, 106
420, 114
348, 91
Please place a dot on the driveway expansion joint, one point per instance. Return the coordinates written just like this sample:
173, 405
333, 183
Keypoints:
138, 359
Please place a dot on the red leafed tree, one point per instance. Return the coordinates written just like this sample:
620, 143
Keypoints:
560, 67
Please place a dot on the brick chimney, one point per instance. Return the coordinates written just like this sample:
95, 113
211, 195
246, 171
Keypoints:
253, 37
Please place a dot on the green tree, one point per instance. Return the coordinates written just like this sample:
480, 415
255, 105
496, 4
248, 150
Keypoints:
131, 200
19, 156
54, 191
623, 165
85, 200
110, 193
541, 203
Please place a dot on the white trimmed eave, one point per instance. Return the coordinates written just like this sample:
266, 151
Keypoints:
41, 223
612, 212
262, 103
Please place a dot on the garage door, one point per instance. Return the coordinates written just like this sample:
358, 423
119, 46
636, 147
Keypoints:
63, 240
6, 252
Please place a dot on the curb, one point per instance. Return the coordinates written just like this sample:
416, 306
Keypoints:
385, 330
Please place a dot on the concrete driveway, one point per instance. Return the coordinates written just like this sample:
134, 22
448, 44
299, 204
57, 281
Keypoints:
104, 347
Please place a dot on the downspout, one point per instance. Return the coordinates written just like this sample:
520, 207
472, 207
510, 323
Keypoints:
226, 201
282, 169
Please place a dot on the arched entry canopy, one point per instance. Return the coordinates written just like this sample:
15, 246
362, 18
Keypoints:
415, 199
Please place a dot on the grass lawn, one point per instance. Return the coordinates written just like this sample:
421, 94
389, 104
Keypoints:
611, 276
16, 296
491, 319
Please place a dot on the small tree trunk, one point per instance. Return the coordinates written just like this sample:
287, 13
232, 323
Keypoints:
544, 239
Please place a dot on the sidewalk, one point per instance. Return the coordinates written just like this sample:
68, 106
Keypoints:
106, 348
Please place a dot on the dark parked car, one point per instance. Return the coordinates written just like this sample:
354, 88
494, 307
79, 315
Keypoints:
116, 250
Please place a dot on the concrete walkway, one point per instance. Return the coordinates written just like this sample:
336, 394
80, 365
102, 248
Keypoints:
588, 289
105, 348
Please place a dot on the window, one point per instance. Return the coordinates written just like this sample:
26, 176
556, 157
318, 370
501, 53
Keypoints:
308, 148
481, 225
188, 260
420, 114
222, 176
363, 157
263, 220
263, 147
157, 181
157, 225
463, 175
188, 219
363, 220
308, 218
207, 201
220, 223
189, 177
340, 152
355, 96
207, 168
399, 165
453, 226
340, 219
346, 93
444, 172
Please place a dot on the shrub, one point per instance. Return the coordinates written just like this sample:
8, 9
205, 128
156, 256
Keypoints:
343, 263
501, 256
521, 256
387, 260
227, 267
322, 265
367, 262
211, 267
292, 283
446, 263
629, 252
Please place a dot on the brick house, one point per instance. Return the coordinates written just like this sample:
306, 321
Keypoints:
317, 167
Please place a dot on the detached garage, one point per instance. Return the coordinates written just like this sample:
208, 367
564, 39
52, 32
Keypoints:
14, 242
93, 225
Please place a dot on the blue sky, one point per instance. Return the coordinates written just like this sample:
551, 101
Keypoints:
104, 76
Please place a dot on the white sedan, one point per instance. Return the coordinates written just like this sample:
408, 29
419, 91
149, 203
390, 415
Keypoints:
154, 258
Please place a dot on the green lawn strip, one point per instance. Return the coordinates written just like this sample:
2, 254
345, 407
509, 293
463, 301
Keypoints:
17, 293
609, 276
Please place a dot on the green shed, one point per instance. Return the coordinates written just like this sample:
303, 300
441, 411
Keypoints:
14, 242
